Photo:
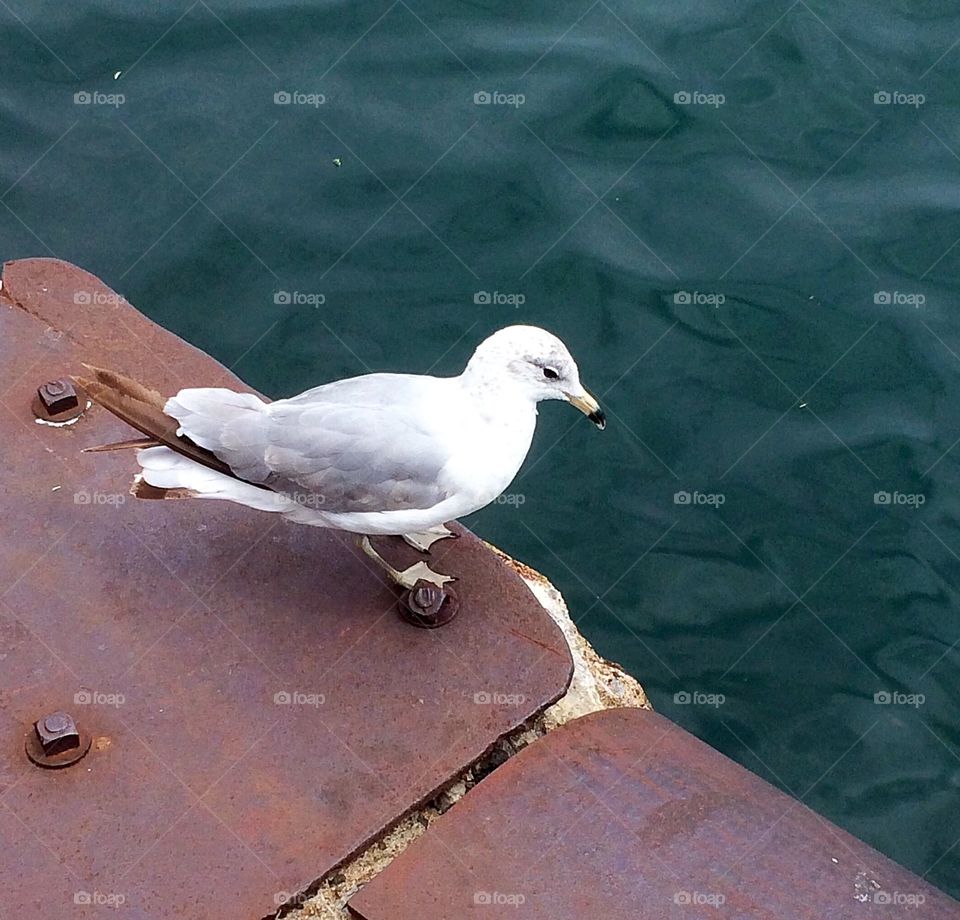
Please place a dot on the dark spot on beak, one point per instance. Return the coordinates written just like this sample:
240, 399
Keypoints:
598, 419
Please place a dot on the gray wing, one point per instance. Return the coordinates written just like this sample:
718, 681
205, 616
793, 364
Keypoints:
364, 444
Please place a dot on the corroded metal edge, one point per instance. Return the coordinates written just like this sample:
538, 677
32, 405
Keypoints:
597, 684
678, 836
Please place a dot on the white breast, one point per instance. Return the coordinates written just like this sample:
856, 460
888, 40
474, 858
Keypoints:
489, 443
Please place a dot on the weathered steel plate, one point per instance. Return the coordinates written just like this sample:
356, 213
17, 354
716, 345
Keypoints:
623, 814
169, 629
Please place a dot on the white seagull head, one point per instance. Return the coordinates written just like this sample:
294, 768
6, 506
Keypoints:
534, 363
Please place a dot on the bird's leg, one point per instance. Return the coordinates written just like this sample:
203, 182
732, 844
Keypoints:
408, 577
425, 539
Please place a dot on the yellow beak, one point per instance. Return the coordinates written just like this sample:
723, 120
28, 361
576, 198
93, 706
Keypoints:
590, 408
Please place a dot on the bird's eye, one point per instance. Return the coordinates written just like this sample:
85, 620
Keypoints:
550, 373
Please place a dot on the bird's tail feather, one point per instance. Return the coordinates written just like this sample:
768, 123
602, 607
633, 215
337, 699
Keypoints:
142, 408
175, 466
122, 445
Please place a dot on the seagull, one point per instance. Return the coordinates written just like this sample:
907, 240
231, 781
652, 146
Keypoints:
379, 454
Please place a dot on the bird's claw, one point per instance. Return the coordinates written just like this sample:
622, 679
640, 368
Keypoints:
420, 571
424, 540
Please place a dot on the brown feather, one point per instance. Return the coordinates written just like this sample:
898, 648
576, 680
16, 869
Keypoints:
122, 445
142, 489
127, 385
126, 405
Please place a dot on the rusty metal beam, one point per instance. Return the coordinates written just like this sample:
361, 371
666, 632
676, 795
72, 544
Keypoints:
623, 814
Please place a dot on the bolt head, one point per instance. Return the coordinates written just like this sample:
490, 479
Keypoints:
57, 732
58, 396
424, 597
429, 606
57, 723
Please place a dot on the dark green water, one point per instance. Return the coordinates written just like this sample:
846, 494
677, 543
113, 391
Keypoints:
828, 370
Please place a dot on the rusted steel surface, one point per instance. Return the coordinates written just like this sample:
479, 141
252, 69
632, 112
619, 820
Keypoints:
258, 709
623, 814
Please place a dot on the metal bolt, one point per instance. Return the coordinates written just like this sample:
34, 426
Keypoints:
58, 396
56, 742
57, 733
423, 597
429, 606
